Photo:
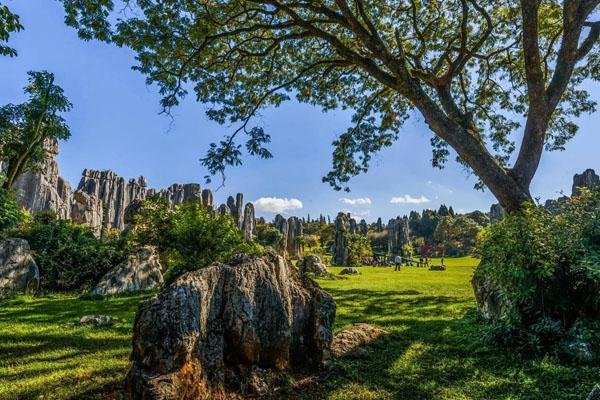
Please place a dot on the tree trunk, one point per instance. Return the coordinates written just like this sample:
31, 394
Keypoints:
510, 192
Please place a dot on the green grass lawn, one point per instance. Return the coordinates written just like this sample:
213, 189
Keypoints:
432, 351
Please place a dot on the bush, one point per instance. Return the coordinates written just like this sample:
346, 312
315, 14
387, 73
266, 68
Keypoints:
359, 248
11, 213
189, 237
68, 255
269, 236
545, 270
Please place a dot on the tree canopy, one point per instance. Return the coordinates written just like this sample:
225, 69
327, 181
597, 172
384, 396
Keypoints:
25, 128
481, 73
9, 23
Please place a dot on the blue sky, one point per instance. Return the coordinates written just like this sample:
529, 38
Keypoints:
115, 124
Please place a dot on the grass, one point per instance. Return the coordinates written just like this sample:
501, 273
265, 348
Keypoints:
433, 349
45, 354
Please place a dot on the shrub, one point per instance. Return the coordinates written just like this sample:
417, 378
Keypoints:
189, 236
545, 269
68, 255
269, 236
359, 248
11, 214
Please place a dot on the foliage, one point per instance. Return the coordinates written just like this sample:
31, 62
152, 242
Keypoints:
359, 248
327, 235
269, 236
407, 250
189, 236
68, 255
9, 23
457, 235
26, 127
473, 69
11, 213
546, 268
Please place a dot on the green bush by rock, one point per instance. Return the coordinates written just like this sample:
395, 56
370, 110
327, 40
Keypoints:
68, 255
11, 213
539, 279
189, 236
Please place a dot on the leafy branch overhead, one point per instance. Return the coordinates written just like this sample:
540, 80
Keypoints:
9, 23
479, 72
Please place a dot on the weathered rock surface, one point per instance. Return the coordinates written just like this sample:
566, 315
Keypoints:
210, 331
45, 190
496, 212
141, 272
340, 245
96, 320
292, 230
312, 264
588, 179
363, 228
87, 209
595, 393
249, 222
349, 271
398, 234
18, 270
180, 193
487, 295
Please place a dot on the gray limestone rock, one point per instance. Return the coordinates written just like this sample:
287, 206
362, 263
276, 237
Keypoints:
349, 271
249, 223
45, 190
141, 272
496, 212
96, 320
207, 334
588, 179
398, 231
340, 245
18, 270
87, 209
312, 264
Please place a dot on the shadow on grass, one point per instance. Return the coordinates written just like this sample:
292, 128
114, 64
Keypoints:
41, 337
434, 350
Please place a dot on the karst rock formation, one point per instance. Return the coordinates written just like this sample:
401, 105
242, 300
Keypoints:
105, 201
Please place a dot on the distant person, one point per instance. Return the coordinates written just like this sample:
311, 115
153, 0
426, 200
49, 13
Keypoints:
398, 262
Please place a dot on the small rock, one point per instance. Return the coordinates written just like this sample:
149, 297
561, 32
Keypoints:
312, 264
349, 271
96, 320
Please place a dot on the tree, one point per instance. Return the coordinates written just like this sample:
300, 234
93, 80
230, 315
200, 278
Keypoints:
189, 237
359, 248
472, 68
457, 235
9, 23
25, 127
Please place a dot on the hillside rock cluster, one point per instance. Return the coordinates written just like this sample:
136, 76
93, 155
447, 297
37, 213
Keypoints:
227, 328
292, 229
104, 201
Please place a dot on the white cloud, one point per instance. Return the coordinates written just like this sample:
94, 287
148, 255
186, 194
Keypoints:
277, 204
361, 201
408, 199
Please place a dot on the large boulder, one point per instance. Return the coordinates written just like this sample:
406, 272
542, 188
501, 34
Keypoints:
217, 332
487, 294
18, 270
142, 271
312, 264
